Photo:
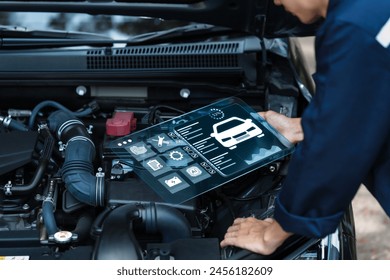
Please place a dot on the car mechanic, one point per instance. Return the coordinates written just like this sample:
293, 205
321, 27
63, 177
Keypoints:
344, 133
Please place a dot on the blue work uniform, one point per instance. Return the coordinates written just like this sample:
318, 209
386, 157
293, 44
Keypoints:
347, 124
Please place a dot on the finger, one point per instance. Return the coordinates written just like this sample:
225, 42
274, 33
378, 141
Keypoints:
251, 219
239, 221
226, 242
233, 228
232, 234
229, 240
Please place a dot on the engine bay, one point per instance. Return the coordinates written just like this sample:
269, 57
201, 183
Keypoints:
65, 193
102, 162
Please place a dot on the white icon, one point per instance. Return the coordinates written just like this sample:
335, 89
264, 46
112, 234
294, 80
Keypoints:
176, 155
138, 150
235, 130
155, 164
216, 114
173, 181
160, 141
194, 171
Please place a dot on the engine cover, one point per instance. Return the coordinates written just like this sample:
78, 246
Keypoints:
19, 153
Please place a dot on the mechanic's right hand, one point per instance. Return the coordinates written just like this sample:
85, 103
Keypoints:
289, 127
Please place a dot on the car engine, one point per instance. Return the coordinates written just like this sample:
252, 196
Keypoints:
65, 195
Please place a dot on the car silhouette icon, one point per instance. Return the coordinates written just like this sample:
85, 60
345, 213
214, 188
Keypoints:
234, 130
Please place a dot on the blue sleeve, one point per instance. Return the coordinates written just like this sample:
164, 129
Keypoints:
345, 127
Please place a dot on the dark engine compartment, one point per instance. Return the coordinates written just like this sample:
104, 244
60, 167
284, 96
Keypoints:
64, 199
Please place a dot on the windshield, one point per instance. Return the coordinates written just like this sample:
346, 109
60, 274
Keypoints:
113, 26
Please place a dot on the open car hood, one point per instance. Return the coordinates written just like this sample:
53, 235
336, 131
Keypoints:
259, 17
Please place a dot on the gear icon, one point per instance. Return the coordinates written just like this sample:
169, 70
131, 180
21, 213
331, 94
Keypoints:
176, 155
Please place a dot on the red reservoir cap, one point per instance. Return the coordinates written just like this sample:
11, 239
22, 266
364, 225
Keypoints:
121, 124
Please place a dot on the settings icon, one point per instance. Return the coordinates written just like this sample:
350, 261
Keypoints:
176, 155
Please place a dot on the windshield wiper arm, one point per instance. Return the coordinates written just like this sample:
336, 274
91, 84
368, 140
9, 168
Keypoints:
181, 32
21, 32
11, 38
29, 43
14, 37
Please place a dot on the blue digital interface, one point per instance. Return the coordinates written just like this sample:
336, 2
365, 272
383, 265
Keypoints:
196, 152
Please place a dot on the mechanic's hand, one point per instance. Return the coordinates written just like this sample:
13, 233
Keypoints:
289, 127
259, 236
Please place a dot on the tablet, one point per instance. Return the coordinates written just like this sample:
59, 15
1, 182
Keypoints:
196, 152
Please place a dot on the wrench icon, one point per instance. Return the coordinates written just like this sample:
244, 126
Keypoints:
161, 141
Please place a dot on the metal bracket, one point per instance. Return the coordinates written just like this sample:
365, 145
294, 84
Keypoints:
7, 188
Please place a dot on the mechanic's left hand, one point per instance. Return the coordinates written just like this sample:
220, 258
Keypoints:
259, 236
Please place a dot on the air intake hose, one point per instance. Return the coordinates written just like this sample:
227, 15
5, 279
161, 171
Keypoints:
77, 170
166, 220
117, 240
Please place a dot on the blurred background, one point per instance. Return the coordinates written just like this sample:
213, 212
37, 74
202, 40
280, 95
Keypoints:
372, 224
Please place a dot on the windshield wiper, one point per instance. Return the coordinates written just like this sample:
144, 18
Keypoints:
182, 32
23, 39
22, 32
19, 37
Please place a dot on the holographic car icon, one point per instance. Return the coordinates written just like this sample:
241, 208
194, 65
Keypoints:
234, 130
